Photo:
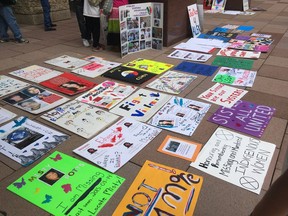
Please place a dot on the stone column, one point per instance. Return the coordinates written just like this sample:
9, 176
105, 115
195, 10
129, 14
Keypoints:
30, 11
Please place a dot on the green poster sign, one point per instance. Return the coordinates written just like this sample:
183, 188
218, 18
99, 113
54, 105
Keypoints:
63, 185
233, 62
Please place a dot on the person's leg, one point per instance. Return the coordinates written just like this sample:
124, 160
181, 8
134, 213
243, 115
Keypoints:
8, 15
46, 14
96, 32
81, 22
4, 37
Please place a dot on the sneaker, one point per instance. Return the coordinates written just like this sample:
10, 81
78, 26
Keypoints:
21, 40
86, 42
4, 40
53, 25
50, 29
96, 49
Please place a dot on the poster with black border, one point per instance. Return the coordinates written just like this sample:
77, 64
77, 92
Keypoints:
141, 27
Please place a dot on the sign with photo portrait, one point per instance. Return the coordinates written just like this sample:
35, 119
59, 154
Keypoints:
141, 27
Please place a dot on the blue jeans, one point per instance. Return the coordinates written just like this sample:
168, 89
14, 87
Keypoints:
7, 19
46, 13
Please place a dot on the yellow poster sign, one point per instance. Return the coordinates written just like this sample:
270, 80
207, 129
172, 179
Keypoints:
161, 190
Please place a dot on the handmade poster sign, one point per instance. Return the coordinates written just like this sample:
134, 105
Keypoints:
107, 94
141, 27
95, 68
141, 105
233, 62
63, 185
35, 100
67, 62
69, 84
245, 117
195, 68
192, 56
218, 5
180, 148
6, 115
239, 53
147, 65
24, 140
236, 77
245, 45
9, 85
161, 187
128, 75
194, 20
237, 5
172, 82
35, 73
80, 118
180, 115
235, 158
115, 146
223, 95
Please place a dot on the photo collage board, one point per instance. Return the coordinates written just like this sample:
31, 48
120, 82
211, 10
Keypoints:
141, 27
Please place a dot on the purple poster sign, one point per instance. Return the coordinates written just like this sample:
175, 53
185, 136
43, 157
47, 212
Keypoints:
245, 117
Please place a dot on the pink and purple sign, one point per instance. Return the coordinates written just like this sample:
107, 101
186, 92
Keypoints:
245, 117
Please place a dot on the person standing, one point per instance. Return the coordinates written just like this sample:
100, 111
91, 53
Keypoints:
92, 18
113, 36
48, 25
79, 5
7, 19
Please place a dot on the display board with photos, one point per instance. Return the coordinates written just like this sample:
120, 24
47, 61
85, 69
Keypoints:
236, 158
63, 185
166, 190
180, 115
35, 99
80, 118
24, 140
115, 146
141, 27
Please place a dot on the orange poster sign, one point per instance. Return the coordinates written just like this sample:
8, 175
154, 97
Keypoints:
161, 190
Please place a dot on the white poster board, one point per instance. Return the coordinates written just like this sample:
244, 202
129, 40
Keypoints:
235, 158
141, 27
194, 20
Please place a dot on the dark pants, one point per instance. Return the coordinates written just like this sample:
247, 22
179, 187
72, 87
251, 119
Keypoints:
46, 13
81, 21
93, 27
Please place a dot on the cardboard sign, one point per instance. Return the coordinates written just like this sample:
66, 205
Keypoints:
235, 158
69, 84
115, 146
141, 105
172, 82
35, 73
194, 20
233, 62
9, 85
24, 140
67, 62
80, 118
245, 117
223, 95
63, 185
147, 65
180, 148
180, 115
128, 75
35, 100
158, 190
107, 94
236, 77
